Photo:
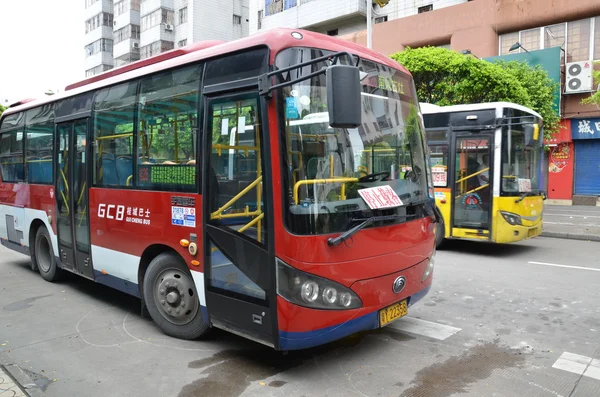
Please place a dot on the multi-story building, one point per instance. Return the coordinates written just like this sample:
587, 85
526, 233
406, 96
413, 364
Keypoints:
122, 31
98, 36
333, 17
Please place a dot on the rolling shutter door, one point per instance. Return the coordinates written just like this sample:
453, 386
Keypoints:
587, 167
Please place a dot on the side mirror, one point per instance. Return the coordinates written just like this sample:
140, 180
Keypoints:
343, 96
532, 134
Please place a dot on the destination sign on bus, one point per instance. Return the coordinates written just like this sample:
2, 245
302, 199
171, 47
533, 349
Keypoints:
158, 174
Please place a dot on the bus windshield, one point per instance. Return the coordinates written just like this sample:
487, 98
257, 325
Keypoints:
521, 171
327, 170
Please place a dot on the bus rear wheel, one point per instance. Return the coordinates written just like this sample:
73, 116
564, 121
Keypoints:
171, 298
43, 256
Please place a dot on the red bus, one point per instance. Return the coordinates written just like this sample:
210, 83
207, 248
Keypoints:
277, 187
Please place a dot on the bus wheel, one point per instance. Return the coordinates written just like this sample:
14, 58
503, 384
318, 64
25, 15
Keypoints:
44, 258
440, 235
171, 298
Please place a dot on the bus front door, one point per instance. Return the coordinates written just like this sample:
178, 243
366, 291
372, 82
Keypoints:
239, 266
72, 198
472, 193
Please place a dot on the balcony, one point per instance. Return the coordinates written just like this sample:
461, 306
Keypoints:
311, 13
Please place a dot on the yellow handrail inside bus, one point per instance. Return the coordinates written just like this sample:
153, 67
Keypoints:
472, 175
253, 222
246, 149
315, 181
101, 138
473, 191
128, 181
217, 214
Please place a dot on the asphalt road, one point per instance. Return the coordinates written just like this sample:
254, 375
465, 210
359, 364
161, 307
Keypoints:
518, 320
580, 222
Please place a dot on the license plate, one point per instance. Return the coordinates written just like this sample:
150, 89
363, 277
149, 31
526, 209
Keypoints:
393, 312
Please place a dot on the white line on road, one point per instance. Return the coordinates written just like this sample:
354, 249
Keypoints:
566, 266
577, 364
425, 328
572, 224
572, 216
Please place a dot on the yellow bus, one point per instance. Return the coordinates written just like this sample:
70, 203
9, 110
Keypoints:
487, 170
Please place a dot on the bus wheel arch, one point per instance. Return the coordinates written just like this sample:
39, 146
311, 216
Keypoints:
171, 298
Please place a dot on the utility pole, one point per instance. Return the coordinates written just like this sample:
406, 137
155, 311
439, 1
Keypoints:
381, 4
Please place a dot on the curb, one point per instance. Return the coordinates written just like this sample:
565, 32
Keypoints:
23, 380
571, 236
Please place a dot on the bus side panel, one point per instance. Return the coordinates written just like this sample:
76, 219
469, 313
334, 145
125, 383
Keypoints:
530, 209
443, 200
124, 224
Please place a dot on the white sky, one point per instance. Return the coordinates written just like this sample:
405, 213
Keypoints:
41, 46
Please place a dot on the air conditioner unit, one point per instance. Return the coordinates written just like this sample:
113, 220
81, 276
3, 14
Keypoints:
135, 46
579, 77
169, 27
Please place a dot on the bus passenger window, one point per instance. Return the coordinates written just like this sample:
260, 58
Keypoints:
168, 127
439, 164
11, 156
39, 144
113, 128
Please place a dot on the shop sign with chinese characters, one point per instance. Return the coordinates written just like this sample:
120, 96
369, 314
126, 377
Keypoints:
585, 128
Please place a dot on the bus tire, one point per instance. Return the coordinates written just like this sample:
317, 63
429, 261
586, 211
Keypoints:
44, 258
171, 298
440, 235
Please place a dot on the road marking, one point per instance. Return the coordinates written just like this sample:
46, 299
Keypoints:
571, 224
578, 364
565, 266
572, 216
425, 328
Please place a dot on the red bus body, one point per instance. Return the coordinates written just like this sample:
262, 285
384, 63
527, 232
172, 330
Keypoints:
368, 265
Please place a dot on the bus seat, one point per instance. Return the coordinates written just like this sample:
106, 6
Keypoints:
19, 171
110, 174
34, 171
46, 169
312, 167
124, 169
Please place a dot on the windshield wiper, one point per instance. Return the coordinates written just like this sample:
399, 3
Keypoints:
532, 193
333, 241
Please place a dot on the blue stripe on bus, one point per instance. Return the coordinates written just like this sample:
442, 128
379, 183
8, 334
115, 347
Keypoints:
303, 340
117, 283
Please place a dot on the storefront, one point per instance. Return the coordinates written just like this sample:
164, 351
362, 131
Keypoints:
560, 164
586, 136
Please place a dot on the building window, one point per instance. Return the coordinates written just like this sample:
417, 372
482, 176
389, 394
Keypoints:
102, 45
132, 56
121, 7
530, 40
260, 18
97, 70
183, 15
554, 36
333, 32
128, 32
506, 41
426, 8
578, 40
237, 20
182, 43
88, 3
381, 19
156, 48
155, 18
102, 19
597, 38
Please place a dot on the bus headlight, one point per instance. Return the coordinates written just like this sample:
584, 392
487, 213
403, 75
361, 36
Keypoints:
512, 219
312, 291
429, 267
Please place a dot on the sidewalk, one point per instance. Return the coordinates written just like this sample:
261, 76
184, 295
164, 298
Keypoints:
572, 222
15, 383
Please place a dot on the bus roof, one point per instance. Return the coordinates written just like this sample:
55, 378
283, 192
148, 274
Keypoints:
276, 39
428, 108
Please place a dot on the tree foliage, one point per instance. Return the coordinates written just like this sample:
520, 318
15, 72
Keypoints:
444, 77
594, 99
2, 109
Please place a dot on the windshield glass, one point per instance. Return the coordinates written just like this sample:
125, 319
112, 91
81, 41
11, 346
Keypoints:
521, 164
327, 170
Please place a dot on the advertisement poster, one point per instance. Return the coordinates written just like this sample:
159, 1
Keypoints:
559, 157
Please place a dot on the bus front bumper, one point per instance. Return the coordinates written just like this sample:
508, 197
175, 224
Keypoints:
301, 327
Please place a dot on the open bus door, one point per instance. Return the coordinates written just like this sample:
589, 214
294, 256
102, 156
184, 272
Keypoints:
239, 261
472, 190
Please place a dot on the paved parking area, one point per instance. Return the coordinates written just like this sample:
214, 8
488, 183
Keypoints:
518, 320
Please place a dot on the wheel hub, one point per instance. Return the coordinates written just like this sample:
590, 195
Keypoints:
175, 296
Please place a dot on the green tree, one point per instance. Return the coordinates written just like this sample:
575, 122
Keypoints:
2, 109
444, 77
594, 99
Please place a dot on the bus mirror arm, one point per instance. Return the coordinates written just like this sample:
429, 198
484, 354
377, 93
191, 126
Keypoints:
265, 86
